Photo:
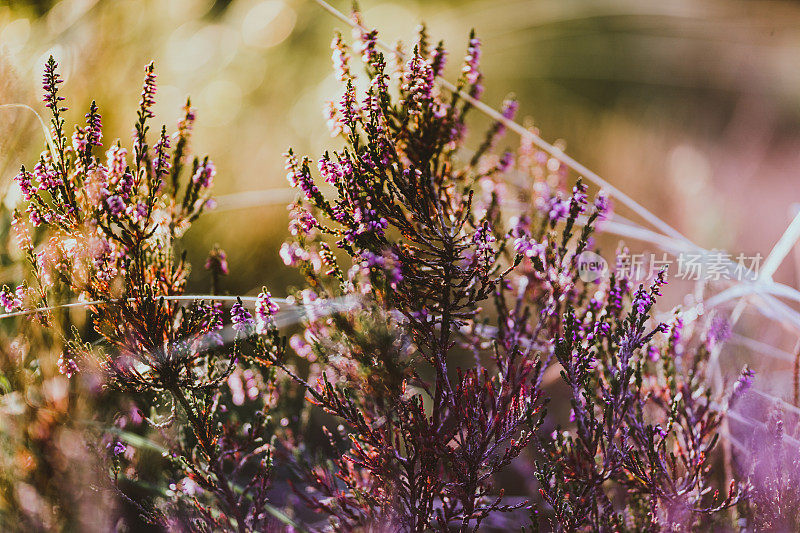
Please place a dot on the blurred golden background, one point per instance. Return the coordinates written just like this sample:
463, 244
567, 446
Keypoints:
691, 107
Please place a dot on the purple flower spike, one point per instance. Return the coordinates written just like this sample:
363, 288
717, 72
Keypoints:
265, 310
50, 83
242, 319
148, 91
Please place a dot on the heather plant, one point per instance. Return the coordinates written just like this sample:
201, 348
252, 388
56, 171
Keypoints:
424, 446
107, 232
435, 399
771, 466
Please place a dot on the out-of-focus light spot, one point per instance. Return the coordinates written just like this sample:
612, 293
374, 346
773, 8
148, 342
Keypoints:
190, 48
66, 13
268, 24
220, 102
249, 73
169, 103
395, 21
185, 52
689, 168
307, 116
14, 35
178, 9
13, 195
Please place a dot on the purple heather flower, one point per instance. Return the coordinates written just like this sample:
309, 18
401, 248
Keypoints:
675, 335
348, 107
265, 309
527, 247
79, 142
369, 221
718, 331
372, 260
94, 126
330, 171
367, 46
67, 366
510, 107
217, 261
302, 222
299, 176
148, 91
742, 385
579, 196
291, 254
642, 301
25, 183
117, 448
377, 89
161, 163
506, 160
242, 319
470, 69
126, 184
34, 215
340, 58
204, 175
438, 60
50, 83
115, 204
602, 204
389, 263
116, 161
419, 83
186, 124
558, 209
46, 176
10, 301
395, 274
214, 322
301, 347
137, 212
653, 353
483, 238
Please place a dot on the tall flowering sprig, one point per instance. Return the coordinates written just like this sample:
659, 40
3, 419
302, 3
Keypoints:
181, 138
51, 81
93, 133
403, 213
143, 113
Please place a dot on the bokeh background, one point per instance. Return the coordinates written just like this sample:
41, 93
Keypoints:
691, 107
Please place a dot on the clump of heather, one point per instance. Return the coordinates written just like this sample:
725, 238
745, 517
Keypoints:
469, 304
427, 438
460, 372
109, 225
770, 462
636, 452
